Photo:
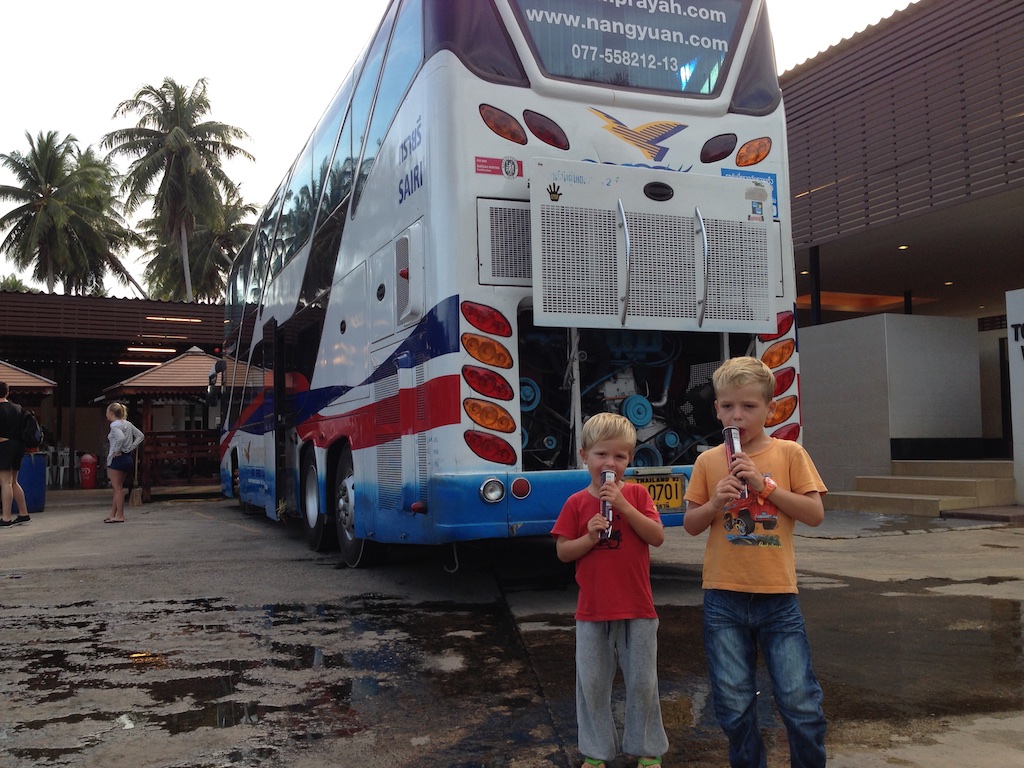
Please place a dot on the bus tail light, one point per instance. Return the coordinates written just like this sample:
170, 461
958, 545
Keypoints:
521, 488
489, 415
753, 152
788, 432
487, 351
487, 382
490, 447
784, 379
486, 319
503, 124
784, 408
546, 129
778, 353
784, 322
718, 148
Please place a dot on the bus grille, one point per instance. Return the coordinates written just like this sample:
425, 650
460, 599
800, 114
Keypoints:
581, 263
504, 242
736, 285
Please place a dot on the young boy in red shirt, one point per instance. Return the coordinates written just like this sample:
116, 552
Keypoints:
615, 616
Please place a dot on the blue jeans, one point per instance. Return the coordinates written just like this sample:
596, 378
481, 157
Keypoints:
736, 624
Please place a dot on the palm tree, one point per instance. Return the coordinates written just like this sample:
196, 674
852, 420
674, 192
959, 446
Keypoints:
174, 149
63, 225
85, 275
214, 245
13, 284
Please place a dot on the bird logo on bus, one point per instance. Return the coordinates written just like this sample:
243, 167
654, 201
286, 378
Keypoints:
647, 138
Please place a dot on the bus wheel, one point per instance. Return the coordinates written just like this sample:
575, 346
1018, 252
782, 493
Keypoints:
236, 485
319, 531
356, 553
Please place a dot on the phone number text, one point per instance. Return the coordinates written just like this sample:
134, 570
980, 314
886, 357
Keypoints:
625, 58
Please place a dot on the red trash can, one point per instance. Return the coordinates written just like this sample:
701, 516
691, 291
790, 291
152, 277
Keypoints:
88, 470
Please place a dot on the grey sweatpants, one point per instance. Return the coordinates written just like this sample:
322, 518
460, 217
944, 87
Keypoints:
634, 644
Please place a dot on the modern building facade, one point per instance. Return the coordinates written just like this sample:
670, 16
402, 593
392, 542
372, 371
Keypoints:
906, 146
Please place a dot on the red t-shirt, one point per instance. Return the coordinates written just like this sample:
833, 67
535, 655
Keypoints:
615, 576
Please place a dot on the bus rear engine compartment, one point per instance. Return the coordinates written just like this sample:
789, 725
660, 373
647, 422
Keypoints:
658, 380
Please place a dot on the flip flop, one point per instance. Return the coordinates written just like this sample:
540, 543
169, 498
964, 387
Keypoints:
112, 520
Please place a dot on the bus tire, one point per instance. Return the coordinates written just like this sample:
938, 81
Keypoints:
355, 553
236, 483
319, 525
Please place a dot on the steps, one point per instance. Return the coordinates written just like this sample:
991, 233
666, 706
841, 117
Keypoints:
930, 488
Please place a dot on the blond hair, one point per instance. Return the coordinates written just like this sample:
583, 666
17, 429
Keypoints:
741, 371
118, 409
608, 426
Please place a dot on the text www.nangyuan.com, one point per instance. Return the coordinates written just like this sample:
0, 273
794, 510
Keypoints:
638, 32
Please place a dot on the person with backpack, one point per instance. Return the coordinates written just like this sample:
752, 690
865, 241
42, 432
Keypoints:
12, 449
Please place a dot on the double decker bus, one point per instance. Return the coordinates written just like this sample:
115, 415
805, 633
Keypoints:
512, 215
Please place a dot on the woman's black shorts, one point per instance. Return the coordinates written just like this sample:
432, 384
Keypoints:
11, 452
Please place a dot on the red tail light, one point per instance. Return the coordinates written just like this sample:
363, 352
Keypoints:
784, 380
503, 124
788, 432
486, 319
718, 148
546, 129
487, 382
785, 323
490, 447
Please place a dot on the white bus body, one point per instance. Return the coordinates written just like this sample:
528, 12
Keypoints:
562, 207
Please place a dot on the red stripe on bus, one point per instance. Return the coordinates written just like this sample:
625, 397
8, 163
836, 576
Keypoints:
363, 428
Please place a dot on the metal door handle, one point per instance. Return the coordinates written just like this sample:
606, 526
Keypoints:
629, 263
702, 230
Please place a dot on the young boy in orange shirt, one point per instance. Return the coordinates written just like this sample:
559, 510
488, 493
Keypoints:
750, 575
615, 616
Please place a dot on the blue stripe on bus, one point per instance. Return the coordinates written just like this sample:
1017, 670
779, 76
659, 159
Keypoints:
435, 335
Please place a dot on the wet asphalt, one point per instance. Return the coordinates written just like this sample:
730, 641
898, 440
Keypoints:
198, 635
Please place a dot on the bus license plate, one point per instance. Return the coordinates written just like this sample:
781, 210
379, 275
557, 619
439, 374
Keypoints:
665, 490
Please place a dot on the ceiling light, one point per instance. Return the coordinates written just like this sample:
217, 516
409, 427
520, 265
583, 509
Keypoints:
174, 319
902, 247
948, 282
151, 349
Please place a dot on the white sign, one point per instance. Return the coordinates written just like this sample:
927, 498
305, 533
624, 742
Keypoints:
1015, 335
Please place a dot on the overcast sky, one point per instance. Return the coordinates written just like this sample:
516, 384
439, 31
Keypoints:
69, 63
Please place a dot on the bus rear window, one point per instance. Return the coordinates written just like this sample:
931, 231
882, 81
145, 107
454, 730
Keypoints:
667, 46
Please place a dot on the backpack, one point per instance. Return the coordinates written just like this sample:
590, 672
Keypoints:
31, 434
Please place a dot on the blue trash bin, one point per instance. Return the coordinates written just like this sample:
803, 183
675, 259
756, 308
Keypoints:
32, 479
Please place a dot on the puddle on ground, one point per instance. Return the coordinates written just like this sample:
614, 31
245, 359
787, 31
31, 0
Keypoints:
886, 658
463, 682
455, 676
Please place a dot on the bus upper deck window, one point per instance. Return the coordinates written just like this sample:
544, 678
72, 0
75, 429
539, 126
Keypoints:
473, 31
758, 91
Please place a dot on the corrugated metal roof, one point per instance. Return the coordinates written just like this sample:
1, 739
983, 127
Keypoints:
909, 135
20, 380
880, 27
924, 116
57, 316
188, 373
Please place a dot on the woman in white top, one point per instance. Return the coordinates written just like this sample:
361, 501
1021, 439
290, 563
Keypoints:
124, 438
